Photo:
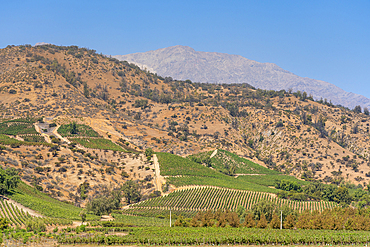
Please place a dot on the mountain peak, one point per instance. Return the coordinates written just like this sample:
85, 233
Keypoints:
183, 62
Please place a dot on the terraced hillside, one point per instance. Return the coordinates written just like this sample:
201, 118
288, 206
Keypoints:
181, 171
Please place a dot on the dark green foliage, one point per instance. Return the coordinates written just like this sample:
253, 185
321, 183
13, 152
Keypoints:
131, 192
105, 202
4, 224
9, 179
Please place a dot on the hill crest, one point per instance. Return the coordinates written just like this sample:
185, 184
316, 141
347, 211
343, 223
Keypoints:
183, 62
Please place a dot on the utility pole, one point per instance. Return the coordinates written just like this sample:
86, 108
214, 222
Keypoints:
170, 219
281, 219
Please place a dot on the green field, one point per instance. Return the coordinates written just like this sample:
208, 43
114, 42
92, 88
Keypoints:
45, 205
97, 143
18, 127
193, 173
188, 236
65, 130
225, 161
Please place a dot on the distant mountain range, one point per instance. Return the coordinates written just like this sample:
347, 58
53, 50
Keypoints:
183, 62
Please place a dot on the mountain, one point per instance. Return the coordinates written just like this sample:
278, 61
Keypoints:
182, 62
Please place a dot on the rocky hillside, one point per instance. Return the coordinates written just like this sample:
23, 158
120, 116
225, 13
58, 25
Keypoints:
120, 111
182, 63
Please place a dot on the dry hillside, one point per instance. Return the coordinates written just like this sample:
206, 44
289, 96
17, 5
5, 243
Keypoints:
135, 110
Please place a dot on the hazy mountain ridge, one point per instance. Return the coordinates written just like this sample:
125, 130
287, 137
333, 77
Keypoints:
182, 62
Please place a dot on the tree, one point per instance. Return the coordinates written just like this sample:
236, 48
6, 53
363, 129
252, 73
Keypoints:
275, 222
83, 216
342, 196
9, 179
131, 192
105, 202
74, 130
357, 109
233, 219
265, 208
249, 222
366, 111
262, 223
289, 222
149, 153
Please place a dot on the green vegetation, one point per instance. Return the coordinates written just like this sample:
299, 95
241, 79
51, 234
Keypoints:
45, 205
173, 165
211, 198
140, 220
6, 140
230, 163
18, 127
74, 129
33, 138
220, 236
97, 143
193, 173
9, 179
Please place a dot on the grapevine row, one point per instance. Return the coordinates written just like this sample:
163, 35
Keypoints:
213, 198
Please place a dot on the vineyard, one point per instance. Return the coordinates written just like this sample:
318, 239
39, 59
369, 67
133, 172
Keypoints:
6, 140
45, 205
81, 130
193, 173
202, 198
18, 127
230, 163
217, 236
97, 143
16, 216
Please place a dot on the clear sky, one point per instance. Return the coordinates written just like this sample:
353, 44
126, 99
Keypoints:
325, 40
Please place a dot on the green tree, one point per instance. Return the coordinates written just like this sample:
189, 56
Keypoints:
289, 222
265, 208
105, 202
262, 223
131, 192
342, 196
9, 179
249, 222
275, 222
74, 129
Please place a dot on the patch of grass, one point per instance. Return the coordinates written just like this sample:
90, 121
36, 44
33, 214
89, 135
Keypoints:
269, 180
173, 165
6, 140
45, 205
97, 143
226, 162
140, 220
65, 130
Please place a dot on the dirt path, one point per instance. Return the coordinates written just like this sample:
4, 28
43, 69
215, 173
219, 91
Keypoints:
159, 180
20, 206
213, 154
55, 132
241, 174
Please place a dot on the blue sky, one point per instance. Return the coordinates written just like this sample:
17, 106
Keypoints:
325, 40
